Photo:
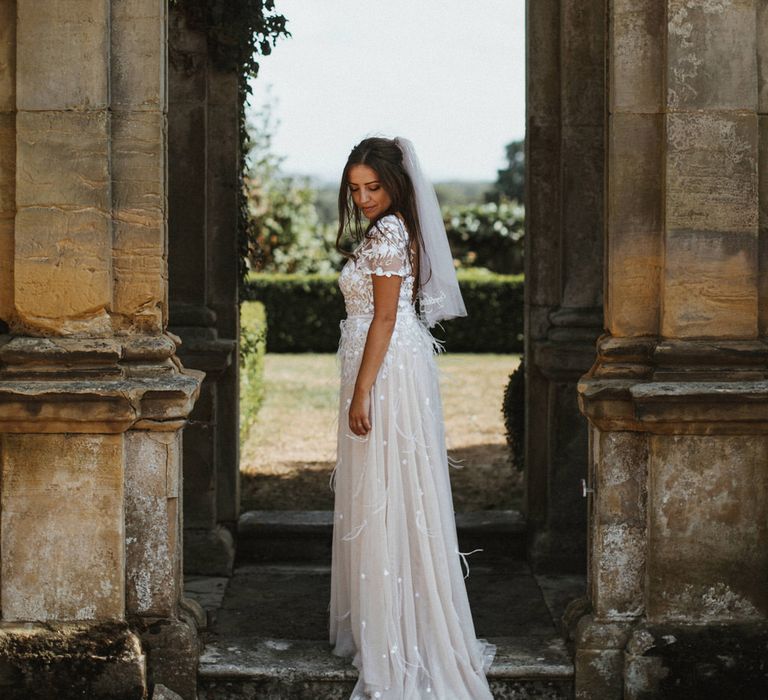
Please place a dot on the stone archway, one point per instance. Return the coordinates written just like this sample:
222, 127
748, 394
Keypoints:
568, 345
652, 113
564, 292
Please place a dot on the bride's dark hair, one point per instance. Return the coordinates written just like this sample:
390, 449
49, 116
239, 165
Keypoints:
385, 157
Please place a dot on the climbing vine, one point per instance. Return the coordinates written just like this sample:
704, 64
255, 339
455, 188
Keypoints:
238, 32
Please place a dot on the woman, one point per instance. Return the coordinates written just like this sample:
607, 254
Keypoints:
398, 600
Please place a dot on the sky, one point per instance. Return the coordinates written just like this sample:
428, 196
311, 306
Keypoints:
448, 74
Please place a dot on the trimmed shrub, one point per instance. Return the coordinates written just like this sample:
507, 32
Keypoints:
253, 347
303, 312
514, 414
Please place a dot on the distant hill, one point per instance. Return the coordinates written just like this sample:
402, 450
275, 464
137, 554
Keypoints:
452, 193
458, 192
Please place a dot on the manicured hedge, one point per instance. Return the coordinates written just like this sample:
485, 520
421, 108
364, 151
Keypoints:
303, 313
494, 321
253, 347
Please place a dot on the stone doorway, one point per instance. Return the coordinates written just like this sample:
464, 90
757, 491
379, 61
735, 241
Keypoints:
266, 596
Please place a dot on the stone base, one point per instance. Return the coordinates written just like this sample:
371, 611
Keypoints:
619, 661
162, 693
71, 660
702, 662
173, 650
209, 552
599, 657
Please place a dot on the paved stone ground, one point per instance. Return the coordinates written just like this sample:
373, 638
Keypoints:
267, 633
286, 601
270, 630
208, 591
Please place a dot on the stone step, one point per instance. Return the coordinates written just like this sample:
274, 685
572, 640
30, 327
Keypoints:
304, 536
280, 669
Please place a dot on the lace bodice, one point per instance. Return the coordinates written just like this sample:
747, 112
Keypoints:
383, 252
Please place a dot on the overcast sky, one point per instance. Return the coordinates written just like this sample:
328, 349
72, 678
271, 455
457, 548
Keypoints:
448, 74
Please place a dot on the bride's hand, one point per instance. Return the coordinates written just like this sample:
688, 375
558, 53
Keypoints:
360, 413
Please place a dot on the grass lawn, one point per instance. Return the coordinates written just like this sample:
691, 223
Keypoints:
287, 460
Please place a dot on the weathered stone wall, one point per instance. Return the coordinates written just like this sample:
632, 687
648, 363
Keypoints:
678, 559
564, 264
139, 147
204, 147
7, 155
92, 396
89, 158
46, 500
153, 549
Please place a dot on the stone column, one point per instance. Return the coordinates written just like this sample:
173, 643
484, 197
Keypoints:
564, 280
7, 156
92, 396
678, 400
204, 147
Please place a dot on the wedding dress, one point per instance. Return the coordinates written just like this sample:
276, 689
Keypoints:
398, 600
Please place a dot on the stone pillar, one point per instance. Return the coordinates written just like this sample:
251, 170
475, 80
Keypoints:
677, 399
564, 262
204, 147
92, 396
7, 156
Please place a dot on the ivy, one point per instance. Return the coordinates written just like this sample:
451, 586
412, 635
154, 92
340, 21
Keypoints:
238, 31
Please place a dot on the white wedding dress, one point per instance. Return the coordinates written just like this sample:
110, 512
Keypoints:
398, 599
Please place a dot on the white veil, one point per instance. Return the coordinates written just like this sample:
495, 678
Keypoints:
439, 294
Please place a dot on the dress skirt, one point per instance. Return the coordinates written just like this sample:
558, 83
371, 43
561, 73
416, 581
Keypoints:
398, 599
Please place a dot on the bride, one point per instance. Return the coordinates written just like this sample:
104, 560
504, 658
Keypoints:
398, 600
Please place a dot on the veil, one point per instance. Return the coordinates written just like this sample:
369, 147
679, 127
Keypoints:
439, 294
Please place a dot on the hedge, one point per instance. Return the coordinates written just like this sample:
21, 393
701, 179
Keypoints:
494, 321
253, 346
303, 312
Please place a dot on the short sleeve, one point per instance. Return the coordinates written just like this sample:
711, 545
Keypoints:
385, 251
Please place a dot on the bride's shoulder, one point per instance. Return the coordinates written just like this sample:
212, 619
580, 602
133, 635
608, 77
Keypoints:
391, 226
387, 236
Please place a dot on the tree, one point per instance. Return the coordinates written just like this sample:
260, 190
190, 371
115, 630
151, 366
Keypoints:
487, 235
510, 182
286, 232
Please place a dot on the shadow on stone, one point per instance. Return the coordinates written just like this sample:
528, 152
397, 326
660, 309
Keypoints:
72, 660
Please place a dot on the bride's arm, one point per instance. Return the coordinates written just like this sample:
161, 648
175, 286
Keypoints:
386, 291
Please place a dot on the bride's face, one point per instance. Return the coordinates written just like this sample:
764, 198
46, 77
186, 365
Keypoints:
368, 193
